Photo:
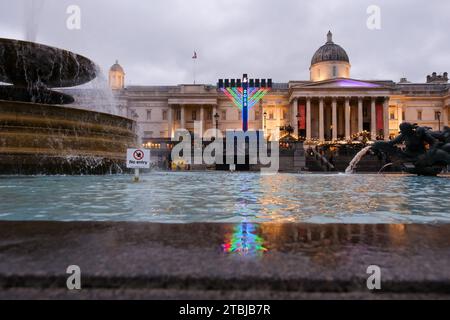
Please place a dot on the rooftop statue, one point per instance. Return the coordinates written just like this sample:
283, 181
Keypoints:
425, 152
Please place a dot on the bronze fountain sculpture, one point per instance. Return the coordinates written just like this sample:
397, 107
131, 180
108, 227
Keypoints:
425, 152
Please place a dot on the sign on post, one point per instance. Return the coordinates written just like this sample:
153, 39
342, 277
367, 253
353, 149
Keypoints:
138, 159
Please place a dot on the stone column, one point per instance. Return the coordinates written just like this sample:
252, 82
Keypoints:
170, 122
202, 119
373, 119
445, 116
400, 114
334, 119
360, 114
182, 118
308, 118
386, 118
321, 121
294, 116
347, 118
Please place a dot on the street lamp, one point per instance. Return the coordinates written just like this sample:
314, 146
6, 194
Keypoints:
216, 117
439, 120
265, 120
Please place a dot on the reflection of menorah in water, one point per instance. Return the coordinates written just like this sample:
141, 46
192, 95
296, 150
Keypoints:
244, 241
245, 93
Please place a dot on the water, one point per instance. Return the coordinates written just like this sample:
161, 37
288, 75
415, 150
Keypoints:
227, 197
351, 167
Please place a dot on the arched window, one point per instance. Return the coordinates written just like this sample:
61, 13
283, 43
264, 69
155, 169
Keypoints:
334, 71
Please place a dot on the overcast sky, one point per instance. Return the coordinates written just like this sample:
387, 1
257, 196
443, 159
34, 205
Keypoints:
154, 39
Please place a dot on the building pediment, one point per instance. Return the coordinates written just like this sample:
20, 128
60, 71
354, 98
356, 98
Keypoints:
341, 83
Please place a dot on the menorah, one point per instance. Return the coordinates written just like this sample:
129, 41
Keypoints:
245, 93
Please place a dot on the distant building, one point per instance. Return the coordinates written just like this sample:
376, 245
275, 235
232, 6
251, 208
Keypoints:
329, 106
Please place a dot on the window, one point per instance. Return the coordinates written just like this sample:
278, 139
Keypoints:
209, 115
257, 115
392, 115
334, 71
164, 115
133, 113
283, 114
224, 115
318, 73
178, 115
403, 115
240, 115
419, 115
271, 116
194, 115
437, 115
149, 114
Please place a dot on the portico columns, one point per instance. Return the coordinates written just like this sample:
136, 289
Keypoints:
334, 118
373, 119
360, 114
170, 121
294, 116
446, 112
347, 118
182, 118
386, 118
321, 121
308, 118
202, 119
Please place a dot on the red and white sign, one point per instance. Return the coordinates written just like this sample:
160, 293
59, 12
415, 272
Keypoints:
138, 158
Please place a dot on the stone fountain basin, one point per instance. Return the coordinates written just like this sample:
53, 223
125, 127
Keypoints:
26, 64
49, 139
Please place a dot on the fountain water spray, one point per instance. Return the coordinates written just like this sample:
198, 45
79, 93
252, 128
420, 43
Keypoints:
351, 168
32, 14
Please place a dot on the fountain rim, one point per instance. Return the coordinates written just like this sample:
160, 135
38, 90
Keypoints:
71, 106
4, 79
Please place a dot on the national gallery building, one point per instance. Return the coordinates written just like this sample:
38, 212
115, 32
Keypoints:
330, 106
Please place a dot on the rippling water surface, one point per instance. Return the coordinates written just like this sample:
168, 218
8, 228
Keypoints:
226, 197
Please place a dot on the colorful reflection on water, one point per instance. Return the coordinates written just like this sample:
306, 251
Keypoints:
244, 240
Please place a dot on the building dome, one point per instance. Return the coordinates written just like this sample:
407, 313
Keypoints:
116, 76
329, 52
116, 67
330, 61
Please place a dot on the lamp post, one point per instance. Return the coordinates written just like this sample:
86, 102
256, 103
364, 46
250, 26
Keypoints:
265, 120
439, 120
216, 117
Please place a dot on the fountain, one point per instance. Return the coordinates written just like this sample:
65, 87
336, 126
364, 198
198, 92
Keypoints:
426, 152
39, 134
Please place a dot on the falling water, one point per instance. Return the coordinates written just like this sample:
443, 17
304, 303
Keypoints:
95, 95
350, 169
33, 11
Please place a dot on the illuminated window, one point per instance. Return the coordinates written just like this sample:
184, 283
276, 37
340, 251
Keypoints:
392, 115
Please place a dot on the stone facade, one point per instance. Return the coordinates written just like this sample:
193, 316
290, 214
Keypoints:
328, 107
